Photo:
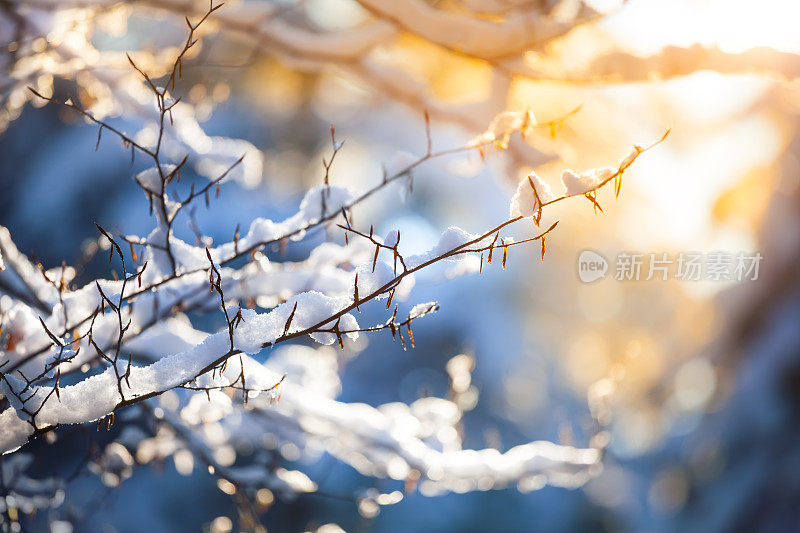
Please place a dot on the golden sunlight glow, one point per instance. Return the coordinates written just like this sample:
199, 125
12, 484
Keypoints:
732, 25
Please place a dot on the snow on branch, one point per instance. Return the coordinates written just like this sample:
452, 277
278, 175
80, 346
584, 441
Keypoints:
471, 35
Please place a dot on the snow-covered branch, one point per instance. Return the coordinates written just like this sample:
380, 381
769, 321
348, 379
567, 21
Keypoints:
670, 62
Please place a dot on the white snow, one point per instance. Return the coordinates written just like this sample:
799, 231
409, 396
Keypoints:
587, 181
312, 307
150, 179
524, 202
423, 309
503, 125
452, 238
626, 161
72, 407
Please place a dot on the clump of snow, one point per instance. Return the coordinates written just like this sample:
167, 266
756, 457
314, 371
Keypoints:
588, 181
524, 202
392, 238
370, 280
150, 179
332, 198
628, 160
452, 238
312, 307
503, 125
423, 309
